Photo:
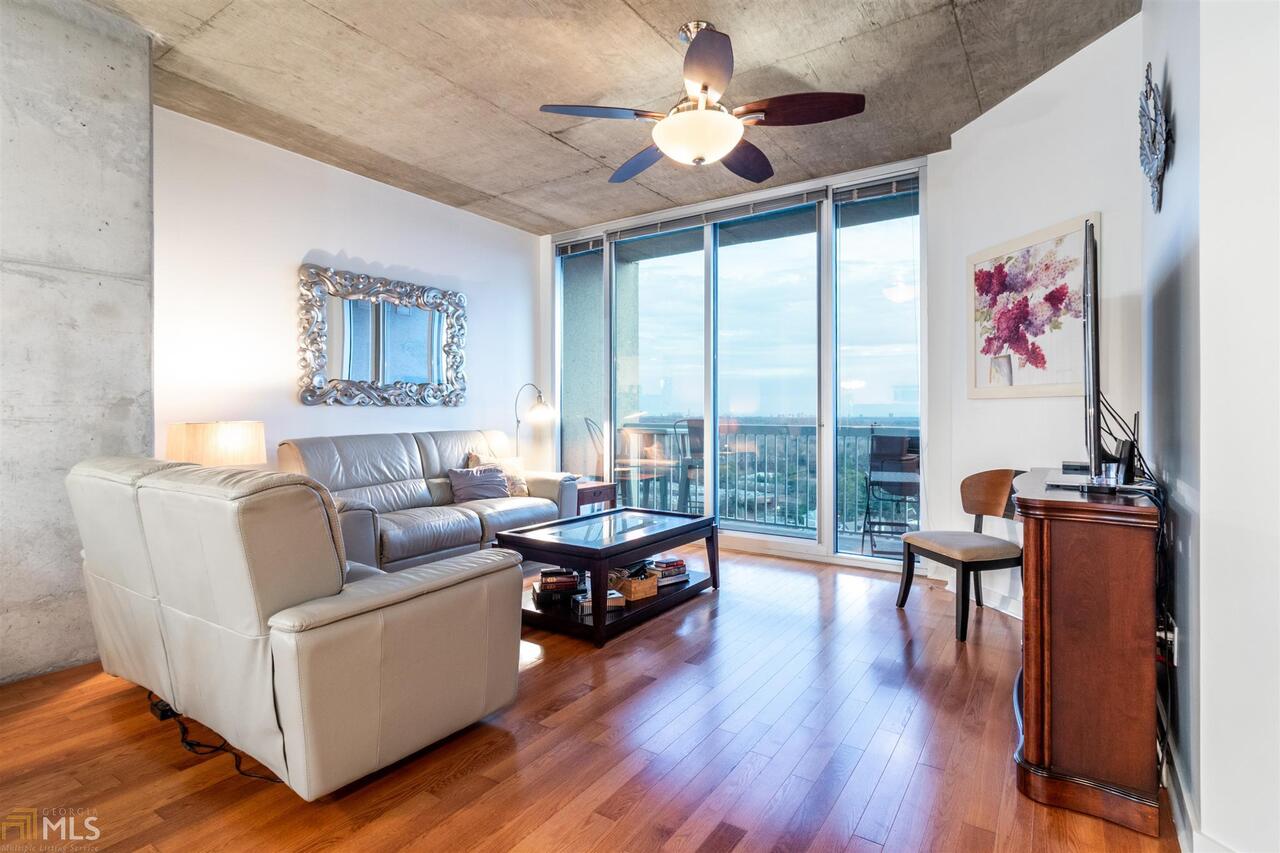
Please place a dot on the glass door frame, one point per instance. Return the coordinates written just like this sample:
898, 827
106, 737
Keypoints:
824, 548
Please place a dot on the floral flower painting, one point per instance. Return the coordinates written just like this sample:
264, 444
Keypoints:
1027, 305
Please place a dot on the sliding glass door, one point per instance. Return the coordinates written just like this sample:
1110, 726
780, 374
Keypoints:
767, 381
659, 367
877, 441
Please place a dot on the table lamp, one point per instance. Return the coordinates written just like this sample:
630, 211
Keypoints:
218, 443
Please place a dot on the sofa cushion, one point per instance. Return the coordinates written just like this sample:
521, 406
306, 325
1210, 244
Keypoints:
383, 470
499, 514
423, 530
444, 449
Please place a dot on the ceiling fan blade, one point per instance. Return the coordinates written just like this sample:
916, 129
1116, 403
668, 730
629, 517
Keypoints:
708, 62
636, 165
748, 161
601, 112
804, 108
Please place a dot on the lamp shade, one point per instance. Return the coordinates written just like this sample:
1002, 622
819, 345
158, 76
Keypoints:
218, 443
540, 412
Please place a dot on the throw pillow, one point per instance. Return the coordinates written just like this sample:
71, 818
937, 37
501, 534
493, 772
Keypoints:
473, 484
511, 468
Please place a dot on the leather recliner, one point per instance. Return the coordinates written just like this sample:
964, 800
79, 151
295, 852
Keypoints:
401, 482
119, 581
252, 630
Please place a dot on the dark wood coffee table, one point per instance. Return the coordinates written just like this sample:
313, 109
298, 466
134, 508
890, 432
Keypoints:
608, 540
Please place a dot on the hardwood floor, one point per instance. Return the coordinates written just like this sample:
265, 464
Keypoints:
795, 709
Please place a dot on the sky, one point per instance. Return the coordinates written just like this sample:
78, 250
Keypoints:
768, 325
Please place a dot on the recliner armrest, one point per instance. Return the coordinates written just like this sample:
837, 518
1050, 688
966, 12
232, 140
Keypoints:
359, 523
385, 590
351, 504
558, 486
359, 571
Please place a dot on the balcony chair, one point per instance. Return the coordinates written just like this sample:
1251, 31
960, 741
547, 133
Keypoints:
986, 493
596, 435
689, 448
892, 480
643, 472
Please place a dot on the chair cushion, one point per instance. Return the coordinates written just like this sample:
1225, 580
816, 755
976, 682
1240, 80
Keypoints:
962, 545
426, 529
499, 514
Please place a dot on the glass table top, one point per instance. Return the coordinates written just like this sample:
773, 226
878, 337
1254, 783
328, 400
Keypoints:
603, 531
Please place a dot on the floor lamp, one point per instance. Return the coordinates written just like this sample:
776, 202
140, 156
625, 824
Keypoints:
538, 413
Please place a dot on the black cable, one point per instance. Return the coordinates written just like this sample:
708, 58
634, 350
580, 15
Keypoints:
1128, 433
162, 710
1158, 497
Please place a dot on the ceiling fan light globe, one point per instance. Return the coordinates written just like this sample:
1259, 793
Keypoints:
697, 137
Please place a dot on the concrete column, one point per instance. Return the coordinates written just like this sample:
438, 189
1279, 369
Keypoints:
75, 301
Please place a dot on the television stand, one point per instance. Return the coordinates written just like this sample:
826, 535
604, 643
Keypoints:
1086, 697
1079, 483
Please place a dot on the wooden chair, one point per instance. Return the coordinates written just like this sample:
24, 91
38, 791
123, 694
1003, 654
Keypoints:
987, 493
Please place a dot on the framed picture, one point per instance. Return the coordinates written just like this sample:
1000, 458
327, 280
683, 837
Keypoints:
1026, 314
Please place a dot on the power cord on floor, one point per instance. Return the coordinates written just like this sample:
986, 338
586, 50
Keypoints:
162, 710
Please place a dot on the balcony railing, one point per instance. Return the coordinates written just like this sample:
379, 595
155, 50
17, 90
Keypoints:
767, 478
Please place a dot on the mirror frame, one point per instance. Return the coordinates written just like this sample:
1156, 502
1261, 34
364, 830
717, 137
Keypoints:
316, 284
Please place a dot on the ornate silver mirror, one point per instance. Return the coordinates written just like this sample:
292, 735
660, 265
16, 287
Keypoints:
367, 341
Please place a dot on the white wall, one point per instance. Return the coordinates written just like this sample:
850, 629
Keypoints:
1061, 147
1239, 590
1171, 357
235, 217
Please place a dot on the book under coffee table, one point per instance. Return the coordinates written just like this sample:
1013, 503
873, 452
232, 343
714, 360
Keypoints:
608, 540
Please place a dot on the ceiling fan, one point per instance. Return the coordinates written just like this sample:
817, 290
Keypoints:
700, 130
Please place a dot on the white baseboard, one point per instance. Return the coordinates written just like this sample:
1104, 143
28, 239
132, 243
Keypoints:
1186, 822
802, 549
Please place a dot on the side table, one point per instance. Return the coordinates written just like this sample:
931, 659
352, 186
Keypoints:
593, 492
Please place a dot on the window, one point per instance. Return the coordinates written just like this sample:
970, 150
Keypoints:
659, 376
767, 358
814, 350
584, 356
877, 437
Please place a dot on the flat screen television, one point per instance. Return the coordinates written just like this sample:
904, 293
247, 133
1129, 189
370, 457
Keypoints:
1092, 382
1121, 462
1107, 470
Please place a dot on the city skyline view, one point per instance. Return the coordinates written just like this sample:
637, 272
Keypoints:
768, 327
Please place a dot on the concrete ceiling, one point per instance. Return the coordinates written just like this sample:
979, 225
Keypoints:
440, 97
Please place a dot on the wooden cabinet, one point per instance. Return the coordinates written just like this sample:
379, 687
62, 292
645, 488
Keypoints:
1087, 692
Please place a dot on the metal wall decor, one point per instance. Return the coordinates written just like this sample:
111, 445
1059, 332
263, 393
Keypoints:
1155, 137
376, 369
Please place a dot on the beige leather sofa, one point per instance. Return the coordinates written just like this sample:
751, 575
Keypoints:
223, 591
396, 501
